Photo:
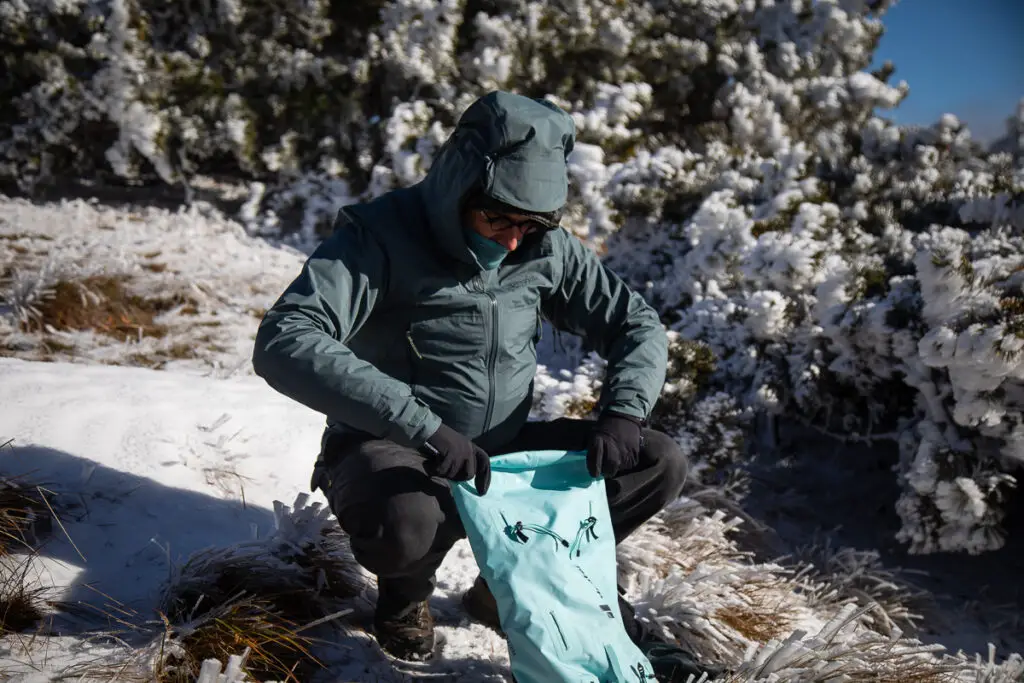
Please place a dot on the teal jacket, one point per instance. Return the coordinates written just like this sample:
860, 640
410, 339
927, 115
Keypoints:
393, 326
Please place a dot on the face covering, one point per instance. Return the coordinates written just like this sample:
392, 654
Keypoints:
488, 252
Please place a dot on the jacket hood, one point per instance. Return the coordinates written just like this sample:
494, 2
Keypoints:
511, 148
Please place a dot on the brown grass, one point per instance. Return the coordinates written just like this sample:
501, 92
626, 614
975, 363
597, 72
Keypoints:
295, 603
19, 604
580, 407
117, 313
158, 359
25, 235
224, 603
24, 513
758, 621
337, 578
52, 346
276, 650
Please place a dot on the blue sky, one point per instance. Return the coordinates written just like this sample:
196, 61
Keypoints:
960, 56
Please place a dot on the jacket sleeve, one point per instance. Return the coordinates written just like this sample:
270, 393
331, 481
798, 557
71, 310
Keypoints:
300, 348
591, 301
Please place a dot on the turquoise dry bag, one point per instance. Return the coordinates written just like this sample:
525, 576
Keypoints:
543, 540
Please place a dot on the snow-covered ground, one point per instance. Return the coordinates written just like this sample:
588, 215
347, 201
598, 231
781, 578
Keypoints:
208, 280
160, 462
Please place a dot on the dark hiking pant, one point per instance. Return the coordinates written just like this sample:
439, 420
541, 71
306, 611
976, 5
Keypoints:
402, 521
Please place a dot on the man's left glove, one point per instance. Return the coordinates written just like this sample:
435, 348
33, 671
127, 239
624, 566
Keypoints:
614, 445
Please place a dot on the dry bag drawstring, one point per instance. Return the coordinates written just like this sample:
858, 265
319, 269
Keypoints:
515, 532
548, 532
586, 532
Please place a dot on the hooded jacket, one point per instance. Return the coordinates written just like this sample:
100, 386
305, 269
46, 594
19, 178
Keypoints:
393, 326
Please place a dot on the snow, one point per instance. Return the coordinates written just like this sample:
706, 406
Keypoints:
165, 465
224, 278
162, 465
814, 261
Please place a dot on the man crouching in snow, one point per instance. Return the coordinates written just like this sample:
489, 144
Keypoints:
413, 328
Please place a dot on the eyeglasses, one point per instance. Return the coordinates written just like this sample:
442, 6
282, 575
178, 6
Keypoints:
500, 222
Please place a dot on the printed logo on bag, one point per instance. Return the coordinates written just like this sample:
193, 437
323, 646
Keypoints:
592, 584
641, 672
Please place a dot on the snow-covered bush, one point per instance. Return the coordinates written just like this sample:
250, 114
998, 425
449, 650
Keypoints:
734, 164
692, 585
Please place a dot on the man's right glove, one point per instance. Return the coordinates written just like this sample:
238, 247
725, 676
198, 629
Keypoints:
614, 445
455, 457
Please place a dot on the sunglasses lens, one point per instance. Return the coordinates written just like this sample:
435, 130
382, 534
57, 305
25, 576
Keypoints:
500, 223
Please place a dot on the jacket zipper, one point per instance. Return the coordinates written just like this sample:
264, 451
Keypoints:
412, 344
412, 361
492, 360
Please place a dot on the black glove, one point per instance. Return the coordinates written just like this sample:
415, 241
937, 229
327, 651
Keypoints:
455, 457
614, 445
321, 478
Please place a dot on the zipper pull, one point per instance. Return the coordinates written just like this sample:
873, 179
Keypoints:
412, 344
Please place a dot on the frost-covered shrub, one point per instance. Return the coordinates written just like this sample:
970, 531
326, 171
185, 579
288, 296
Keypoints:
691, 585
880, 323
734, 165
708, 426
137, 90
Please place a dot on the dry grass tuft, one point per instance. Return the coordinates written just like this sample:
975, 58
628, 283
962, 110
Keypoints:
842, 651
261, 596
19, 605
328, 561
758, 618
301, 588
159, 359
15, 236
580, 407
276, 651
103, 304
829, 577
26, 514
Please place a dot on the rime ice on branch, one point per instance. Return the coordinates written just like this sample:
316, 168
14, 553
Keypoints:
861, 276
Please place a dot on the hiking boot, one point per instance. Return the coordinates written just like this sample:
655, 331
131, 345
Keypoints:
480, 604
404, 631
674, 664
